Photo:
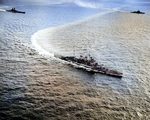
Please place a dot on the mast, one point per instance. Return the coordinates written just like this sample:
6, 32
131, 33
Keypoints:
73, 50
88, 45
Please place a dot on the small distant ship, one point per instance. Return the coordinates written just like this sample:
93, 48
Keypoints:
15, 11
138, 12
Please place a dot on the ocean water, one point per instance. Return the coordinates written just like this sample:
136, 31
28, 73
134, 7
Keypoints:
106, 36
104, 29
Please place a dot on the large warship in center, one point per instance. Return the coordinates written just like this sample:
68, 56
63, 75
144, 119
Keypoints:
90, 65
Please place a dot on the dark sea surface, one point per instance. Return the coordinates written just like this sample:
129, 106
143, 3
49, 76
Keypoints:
28, 80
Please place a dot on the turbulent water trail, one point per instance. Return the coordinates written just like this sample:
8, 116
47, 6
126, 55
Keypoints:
38, 47
2, 10
44, 34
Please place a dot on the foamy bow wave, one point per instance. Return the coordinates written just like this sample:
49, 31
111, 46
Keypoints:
38, 48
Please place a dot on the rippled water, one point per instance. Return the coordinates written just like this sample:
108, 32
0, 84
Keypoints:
110, 42
106, 30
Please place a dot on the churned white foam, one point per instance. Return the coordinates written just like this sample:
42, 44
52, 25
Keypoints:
34, 38
2, 10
